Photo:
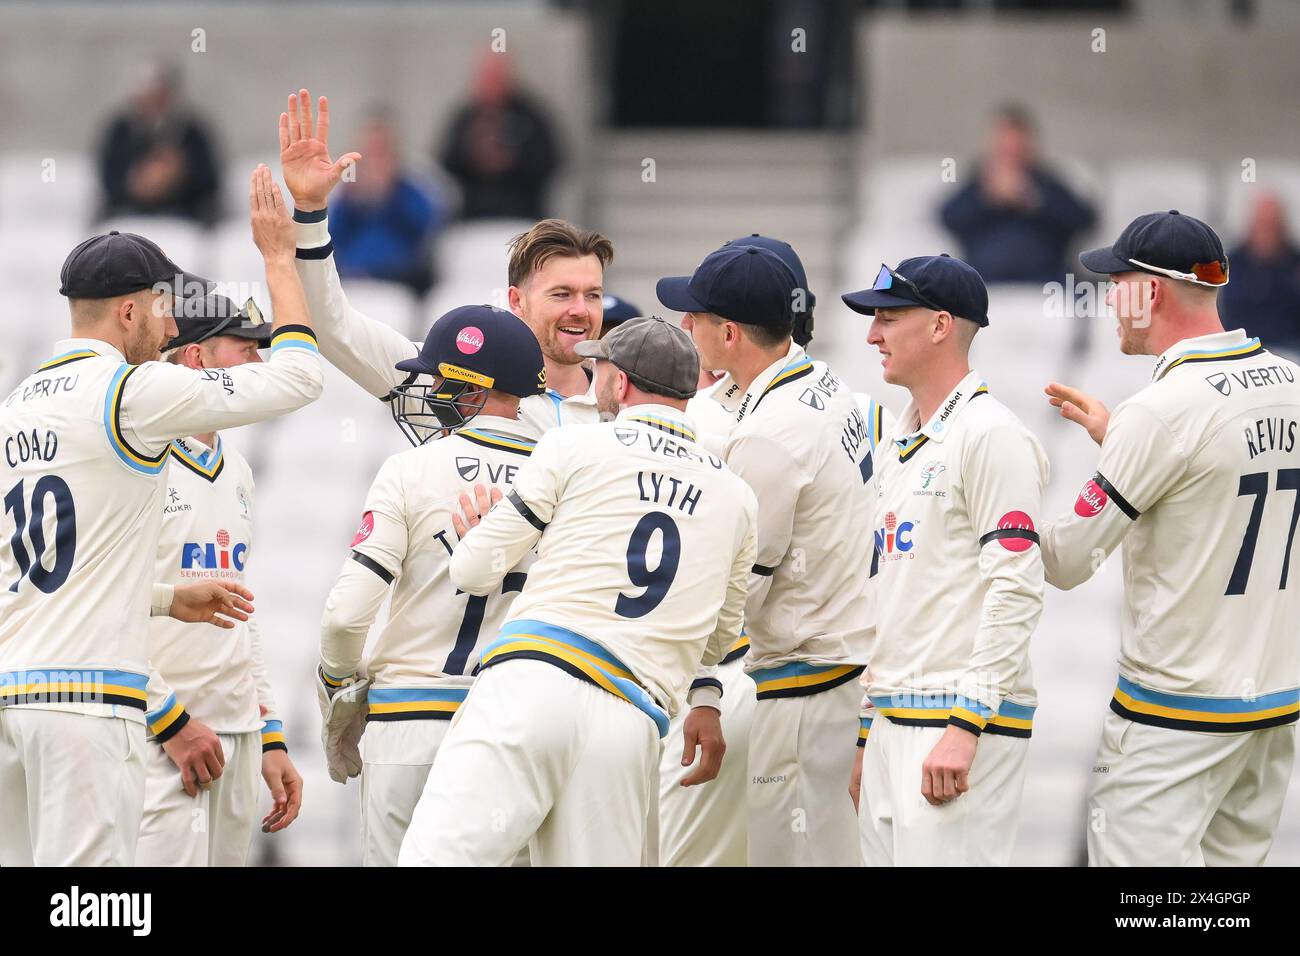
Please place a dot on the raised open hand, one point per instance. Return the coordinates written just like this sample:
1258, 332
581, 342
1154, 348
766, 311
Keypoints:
305, 162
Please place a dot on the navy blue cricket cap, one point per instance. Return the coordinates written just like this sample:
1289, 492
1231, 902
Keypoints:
484, 346
941, 283
119, 263
803, 320
785, 252
1164, 243
202, 317
745, 284
618, 310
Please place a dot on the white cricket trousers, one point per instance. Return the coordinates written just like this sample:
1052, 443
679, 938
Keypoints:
704, 825
396, 758
898, 826
213, 828
535, 756
1166, 797
71, 788
801, 755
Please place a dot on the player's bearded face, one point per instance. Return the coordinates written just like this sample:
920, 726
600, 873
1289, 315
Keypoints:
607, 391
1129, 297
562, 302
153, 327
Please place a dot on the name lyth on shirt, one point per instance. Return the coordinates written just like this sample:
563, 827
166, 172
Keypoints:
668, 491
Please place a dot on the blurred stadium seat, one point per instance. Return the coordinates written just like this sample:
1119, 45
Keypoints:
185, 243
1136, 186
57, 186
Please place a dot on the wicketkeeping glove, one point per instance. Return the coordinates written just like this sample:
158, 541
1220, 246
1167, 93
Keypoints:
343, 713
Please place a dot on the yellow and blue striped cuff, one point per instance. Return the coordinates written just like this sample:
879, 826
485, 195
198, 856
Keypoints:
864, 730
294, 337
738, 649
330, 681
273, 736
166, 722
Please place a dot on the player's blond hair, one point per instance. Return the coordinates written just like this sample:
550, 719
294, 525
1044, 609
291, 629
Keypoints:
531, 250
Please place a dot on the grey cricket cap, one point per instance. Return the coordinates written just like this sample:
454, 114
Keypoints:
656, 355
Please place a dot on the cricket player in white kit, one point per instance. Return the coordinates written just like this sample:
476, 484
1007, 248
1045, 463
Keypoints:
209, 693
1199, 478
807, 451
482, 361
645, 543
556, 276
706, 825
959, 585
87, 439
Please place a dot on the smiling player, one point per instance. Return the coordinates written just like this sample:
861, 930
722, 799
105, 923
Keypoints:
556, 276
959, 586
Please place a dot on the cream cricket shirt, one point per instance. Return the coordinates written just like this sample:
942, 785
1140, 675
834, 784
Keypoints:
809, 453
421, 663
84, 442
1199, 477
216, 675
366, 350
959, 576
645, 542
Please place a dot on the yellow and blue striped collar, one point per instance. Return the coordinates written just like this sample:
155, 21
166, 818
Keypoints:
970, 387
73, 350
1216, 347
661, 417
794, 365
492, 431
198, 458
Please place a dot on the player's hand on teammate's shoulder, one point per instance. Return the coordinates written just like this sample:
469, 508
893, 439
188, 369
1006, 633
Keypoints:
273, 231
285, 783
945, 774
305, 162
1085, 411
196, 751
212, 602
702, 727
472, 512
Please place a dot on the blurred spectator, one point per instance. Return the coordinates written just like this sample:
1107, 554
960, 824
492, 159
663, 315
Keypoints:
384, 224
1263, 291
499, 148
615, 312
1014, 219
156, 158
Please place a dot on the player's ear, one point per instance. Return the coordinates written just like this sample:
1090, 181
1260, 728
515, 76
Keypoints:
515, 298
1158, 292
943, 323
192, 355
